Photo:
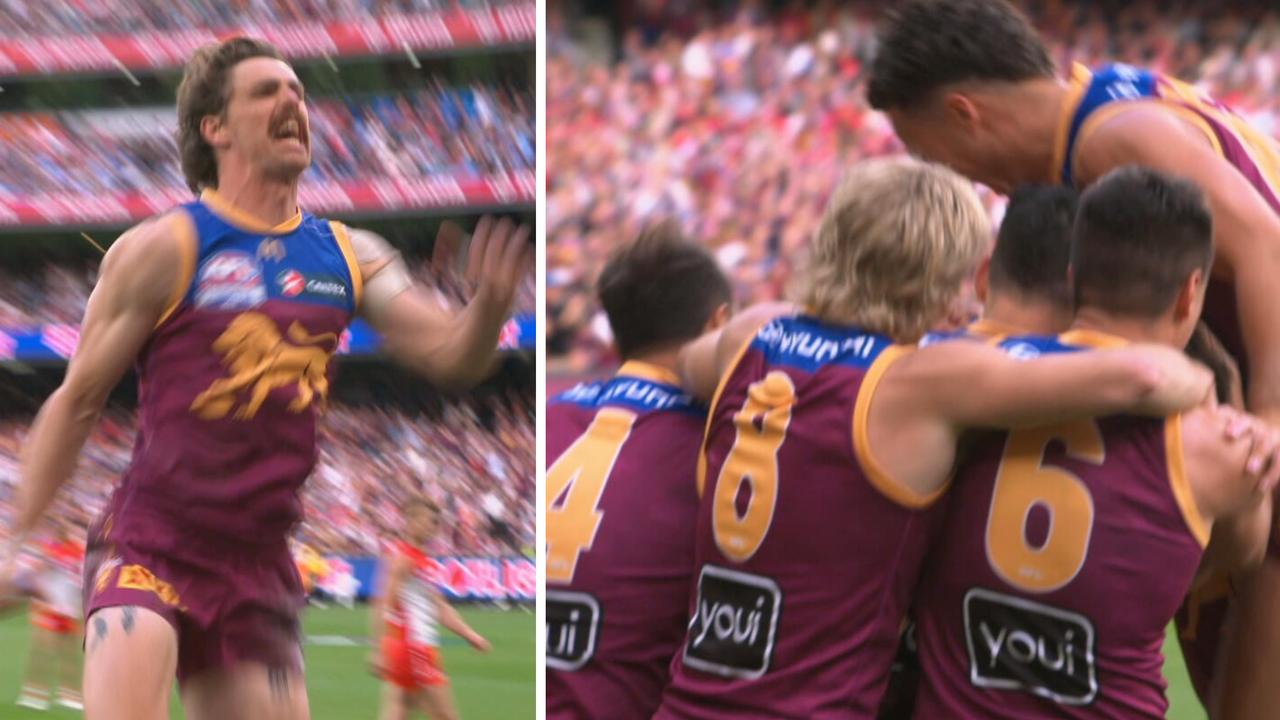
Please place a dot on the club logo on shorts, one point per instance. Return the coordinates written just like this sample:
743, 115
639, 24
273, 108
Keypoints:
1017, 644
291, 283
733, 629
230, 280
573, 619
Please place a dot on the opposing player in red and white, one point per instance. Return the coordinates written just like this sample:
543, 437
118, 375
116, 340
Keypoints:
54, 588
406, 643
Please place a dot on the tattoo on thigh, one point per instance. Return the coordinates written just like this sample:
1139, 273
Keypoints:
278, 678
126, 620
99, 629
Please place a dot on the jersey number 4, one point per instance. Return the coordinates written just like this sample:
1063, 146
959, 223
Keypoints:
580, 475
1023, 481
761, 427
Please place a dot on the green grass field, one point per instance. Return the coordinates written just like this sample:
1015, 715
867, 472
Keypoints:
499, 685
495, 686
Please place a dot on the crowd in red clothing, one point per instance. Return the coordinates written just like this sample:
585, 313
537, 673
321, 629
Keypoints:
22, 17
459, 132
739, 122
372, 460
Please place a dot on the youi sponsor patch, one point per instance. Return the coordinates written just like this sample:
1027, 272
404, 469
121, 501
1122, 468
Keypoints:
230, 280
1017, 644
733, 630
573, 622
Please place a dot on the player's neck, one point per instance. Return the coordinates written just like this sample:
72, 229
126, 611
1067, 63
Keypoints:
269, 201
1034, 140
1027, 315
1129, 328
666, 359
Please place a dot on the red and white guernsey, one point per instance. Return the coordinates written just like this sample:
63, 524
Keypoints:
411, 614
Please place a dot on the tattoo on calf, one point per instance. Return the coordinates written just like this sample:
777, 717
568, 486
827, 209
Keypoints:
127, 619
278, 678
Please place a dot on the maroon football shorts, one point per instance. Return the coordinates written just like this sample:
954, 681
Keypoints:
228, 602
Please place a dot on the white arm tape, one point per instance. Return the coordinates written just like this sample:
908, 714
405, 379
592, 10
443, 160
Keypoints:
389, 280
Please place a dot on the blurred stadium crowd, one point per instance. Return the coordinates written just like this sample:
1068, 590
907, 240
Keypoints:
56, 292
737, 120
371, 461
20, 17
458, 131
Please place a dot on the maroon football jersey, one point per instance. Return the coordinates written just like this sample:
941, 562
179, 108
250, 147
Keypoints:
621, 501
1065, 552
230, 383
806, 553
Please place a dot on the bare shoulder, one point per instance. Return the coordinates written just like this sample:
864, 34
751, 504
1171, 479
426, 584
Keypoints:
1148, 134
369, 246
150, 256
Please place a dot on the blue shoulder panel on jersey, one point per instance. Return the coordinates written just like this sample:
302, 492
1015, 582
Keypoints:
1110, 83
808, 344
631, 392
1026, 347
238, 269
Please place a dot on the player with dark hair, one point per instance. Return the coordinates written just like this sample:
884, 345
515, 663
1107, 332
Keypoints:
230, 307
831, 437
621, 490
403, 620
1079, 540
1023, 289
970, 84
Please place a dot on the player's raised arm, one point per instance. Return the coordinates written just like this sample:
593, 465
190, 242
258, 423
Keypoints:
704, 361
1246, 229
975, 385
447, 347
138, 281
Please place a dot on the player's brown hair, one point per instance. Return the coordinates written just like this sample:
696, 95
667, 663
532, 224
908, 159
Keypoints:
1033, 246
204, 91
660, 290
898, 239
1139, 234
930, 44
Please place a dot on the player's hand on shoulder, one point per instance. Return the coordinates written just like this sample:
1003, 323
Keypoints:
1263, 463
1175, 381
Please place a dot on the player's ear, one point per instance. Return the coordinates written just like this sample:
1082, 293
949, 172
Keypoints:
214, 131
718, 318
1190, 296
982, 280
961, 108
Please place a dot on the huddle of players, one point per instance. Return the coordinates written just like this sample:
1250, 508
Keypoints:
849, 476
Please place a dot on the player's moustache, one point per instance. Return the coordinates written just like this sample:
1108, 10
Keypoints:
285, 115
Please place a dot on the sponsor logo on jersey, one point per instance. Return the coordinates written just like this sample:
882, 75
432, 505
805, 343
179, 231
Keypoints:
230, 280
293, 283
573, 620
1017, 644
735, 623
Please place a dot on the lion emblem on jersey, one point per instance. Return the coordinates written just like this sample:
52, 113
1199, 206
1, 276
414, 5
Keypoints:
259, 360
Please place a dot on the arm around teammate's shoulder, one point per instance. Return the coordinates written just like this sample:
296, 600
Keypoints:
1231, 480
974, 385
140, 279
447, 346
704, 361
